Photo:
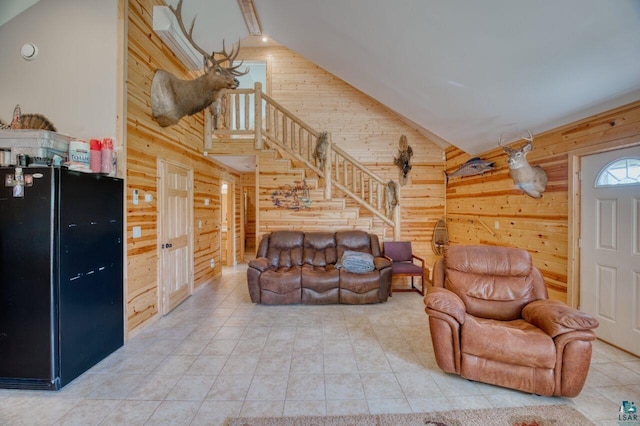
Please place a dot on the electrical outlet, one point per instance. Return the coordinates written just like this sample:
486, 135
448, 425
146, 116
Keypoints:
148, 198
496, 224
199, 224
206, 201
212, 263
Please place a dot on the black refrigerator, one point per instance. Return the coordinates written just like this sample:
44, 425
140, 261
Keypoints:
61, 274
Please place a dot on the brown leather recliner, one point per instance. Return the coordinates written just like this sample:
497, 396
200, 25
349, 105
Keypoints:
491, 321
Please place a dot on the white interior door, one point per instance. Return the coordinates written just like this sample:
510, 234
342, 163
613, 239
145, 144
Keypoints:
176, 265
610, 245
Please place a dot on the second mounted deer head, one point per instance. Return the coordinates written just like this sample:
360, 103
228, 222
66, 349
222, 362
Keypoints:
173, 98
531, 179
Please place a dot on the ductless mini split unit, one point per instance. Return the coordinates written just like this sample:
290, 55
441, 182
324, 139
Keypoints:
166, 26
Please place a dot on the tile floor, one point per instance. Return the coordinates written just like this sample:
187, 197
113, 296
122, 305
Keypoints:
219, 355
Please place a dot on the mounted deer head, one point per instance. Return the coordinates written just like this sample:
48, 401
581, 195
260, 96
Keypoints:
173, 98
532, 180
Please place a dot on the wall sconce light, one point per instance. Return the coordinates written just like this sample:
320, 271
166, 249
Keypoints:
29, 51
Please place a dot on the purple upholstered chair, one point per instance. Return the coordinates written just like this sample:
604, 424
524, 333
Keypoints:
402, 257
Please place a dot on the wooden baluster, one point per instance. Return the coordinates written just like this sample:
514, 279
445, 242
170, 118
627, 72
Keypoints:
285, 141
236, 100
257, 109
362, 185
247, 109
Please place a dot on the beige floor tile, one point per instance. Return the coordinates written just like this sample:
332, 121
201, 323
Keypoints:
341, 407
343, 386
215, 413
174, 413
131, 413
390, 405
209, 365
262, 408
88, 412
241, 364
191, 388
154, 387
220, 347
307, 364
230, 387
340, 364
274, 364
381, 386
305, 408
268, 387
305, 387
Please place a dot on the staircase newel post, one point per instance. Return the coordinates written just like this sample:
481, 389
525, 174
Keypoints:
257, 111
327, 169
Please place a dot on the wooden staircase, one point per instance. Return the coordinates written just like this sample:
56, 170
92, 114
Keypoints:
279, 135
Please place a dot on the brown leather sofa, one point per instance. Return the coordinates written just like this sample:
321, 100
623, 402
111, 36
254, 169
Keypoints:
491, 321
300, 267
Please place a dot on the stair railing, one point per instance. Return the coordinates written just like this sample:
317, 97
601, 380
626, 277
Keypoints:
249, 112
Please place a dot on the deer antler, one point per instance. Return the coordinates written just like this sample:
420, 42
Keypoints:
504, 148
177, 11
233, 69
528, 138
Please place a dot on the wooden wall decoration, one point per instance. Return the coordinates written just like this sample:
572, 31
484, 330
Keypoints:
489, 210
403, 160
292, 197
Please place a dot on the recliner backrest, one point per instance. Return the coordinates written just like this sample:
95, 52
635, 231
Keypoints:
493, 282
319, 249
284, 249
357, 241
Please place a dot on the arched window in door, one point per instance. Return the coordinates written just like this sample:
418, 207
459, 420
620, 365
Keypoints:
623, 171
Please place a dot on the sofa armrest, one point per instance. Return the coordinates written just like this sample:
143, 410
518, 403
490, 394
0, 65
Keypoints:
381, 262
261, 264
444, 301
556, 318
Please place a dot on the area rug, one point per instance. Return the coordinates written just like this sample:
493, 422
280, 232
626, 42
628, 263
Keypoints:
540, 415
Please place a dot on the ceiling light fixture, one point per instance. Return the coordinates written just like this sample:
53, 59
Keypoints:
250, 16
265, 39
166, 26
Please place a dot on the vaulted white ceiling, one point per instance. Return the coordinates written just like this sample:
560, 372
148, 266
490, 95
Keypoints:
466, 71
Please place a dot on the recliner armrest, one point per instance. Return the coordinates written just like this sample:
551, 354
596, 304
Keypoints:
381, 262
260, 263
440, 299
556, 318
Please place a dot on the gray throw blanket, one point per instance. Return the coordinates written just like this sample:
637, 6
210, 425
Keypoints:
357, 262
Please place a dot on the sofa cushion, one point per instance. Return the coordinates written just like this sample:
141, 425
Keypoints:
354, 241
319, 249
281, 280
285, 249
511, 342
320, 278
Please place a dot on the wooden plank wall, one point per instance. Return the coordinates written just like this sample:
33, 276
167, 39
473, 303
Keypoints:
364, 128
539, 225
146, 143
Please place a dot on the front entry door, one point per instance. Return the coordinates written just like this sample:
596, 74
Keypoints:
610, 245
176, 256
